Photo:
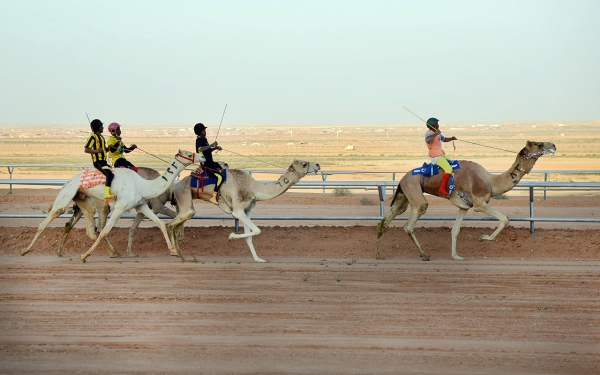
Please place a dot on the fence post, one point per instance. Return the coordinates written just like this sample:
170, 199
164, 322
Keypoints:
324, 178
545, 180
531, 222
381, 190
10, 172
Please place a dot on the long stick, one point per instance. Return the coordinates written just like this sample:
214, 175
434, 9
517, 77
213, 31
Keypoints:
462, 140
89, 122
221, 123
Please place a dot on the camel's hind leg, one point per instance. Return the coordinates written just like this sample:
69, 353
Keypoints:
487, 209
250, 230
144, 209
134, 227
456, 231
398, 207
77, 214
59, 207
416, 211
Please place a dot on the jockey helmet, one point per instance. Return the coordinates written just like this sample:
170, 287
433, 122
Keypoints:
432, 122
198, 128
113, 126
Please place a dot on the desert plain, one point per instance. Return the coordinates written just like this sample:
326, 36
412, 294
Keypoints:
522, 304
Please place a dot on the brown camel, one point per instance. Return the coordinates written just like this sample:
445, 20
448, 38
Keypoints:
87, 207
476, 184
239, 194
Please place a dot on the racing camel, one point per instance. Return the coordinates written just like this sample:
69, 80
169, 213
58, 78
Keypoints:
477, 186
130, 191
238, 196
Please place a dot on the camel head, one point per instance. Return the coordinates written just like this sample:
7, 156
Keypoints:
302, 168
533, 150
186, 157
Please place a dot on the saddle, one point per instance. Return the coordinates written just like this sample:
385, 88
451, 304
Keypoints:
429, 170
90, 178
200, 178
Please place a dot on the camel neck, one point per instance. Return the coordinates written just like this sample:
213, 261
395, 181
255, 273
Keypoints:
276, 188
510, 178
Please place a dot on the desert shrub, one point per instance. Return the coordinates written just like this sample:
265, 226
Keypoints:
340, 192
366, 202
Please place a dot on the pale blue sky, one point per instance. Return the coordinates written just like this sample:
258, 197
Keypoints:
299, 62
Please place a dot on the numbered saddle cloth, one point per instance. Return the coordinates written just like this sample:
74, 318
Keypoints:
200, 180
429, 169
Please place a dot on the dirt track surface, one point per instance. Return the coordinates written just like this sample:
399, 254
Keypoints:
522, 304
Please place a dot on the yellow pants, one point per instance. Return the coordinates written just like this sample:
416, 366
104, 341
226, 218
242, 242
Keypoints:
442, 162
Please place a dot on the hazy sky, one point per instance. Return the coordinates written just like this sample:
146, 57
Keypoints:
299, 62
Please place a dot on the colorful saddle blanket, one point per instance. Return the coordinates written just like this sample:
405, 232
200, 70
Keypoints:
429, 169
200, 180
90, 178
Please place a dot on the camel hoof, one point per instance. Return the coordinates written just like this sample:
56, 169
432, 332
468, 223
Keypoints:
456, 257
132, 255
485, 237
174, 255
379, 257
259, 260
23, 252
83, 258
425, 258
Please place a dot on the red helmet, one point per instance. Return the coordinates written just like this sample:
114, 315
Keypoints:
113, 126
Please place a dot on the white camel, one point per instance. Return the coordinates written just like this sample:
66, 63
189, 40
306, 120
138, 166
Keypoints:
238, 196
130, 191
87, 207
477, 186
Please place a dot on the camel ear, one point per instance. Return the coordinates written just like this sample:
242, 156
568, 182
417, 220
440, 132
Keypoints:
529, 144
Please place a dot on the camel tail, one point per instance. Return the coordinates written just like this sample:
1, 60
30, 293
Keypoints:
398, 191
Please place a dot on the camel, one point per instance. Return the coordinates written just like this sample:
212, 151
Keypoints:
130, 191
89, 206
239, 194
476, 185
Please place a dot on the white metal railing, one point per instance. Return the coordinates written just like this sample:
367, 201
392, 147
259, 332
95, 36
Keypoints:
381, 186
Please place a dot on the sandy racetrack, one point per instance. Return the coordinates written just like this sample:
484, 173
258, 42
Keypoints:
323, 304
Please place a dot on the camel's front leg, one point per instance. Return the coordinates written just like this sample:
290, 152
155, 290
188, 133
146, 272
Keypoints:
487, 209
415, 213
456, 231
111, 222
103, 211
148, 212
399, 206
250, 230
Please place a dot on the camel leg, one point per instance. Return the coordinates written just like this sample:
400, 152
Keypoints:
117, 213
175, 226
144, 209
250, 230
456, 231
487, 209
77, 214
134, 227
417, 210
53, 214
400, 205
103, 211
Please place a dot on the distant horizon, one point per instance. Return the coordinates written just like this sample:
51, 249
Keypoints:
505, 123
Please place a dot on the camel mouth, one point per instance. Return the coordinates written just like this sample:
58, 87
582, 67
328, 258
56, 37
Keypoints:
550, 151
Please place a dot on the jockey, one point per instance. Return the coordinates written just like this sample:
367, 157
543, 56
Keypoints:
117, 148
433, 140
211, 167
96, 146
